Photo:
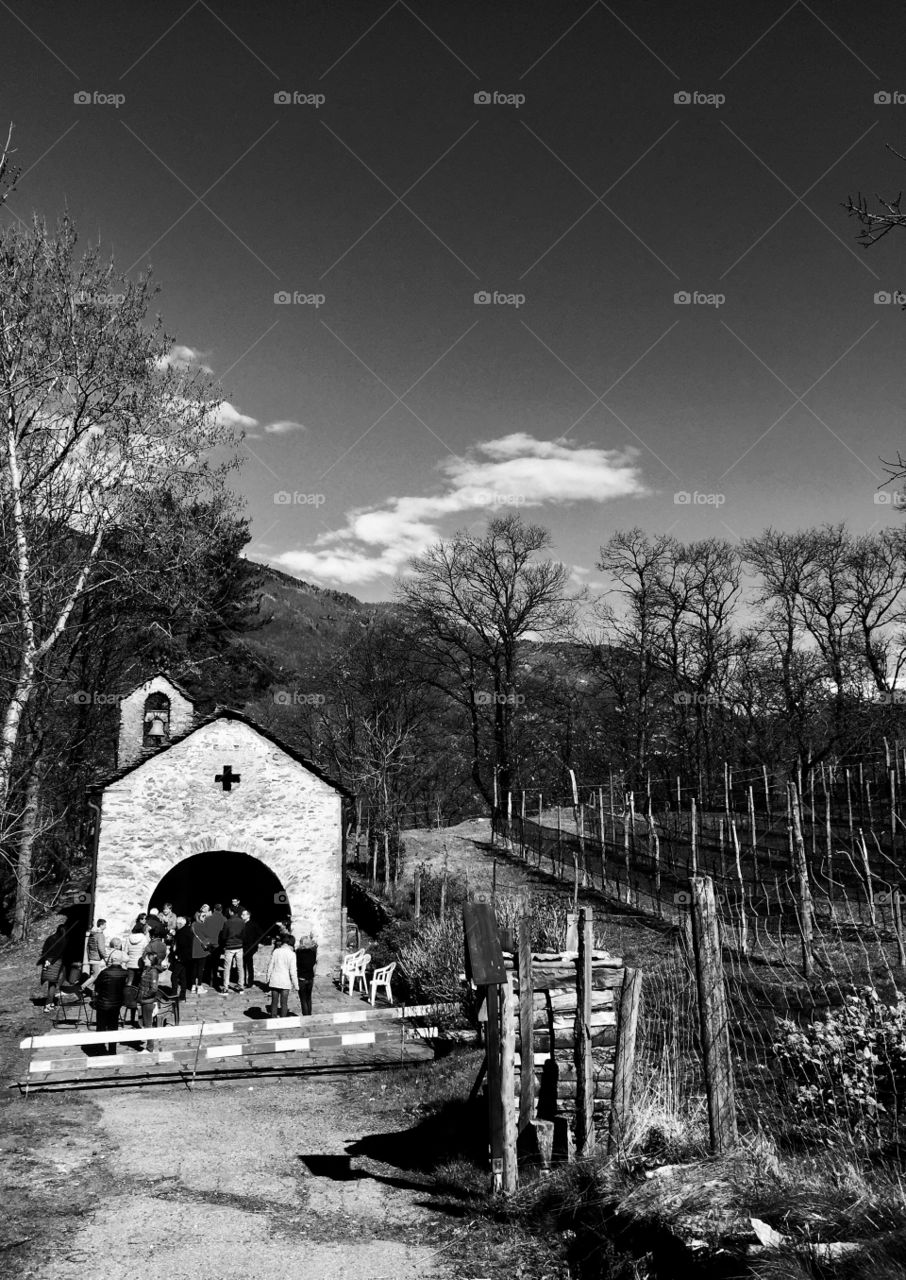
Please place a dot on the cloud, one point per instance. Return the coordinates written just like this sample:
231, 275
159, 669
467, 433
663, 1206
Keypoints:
181, 357
284, 427
229, 416
510, 473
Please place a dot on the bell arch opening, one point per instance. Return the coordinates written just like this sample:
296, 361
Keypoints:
218, 876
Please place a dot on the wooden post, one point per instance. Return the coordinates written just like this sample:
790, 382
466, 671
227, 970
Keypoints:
508, 1013
495, 1096
443, 895
694, 840
540, 826
626, 847
631, 842
806, 919
585, 1091
559, 843
898, 927
374, 863
893, 812
386, 860
601, 839
743, 915
712, 1005
522, 826
417, 879
624, 1063
613, 813
869, 887
526, 1027
767, 792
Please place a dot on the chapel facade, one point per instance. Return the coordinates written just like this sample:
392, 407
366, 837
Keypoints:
204, 810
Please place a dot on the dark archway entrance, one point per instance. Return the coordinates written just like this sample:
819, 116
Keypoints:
218, 876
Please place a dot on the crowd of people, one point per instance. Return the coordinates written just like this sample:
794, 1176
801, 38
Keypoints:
166, 955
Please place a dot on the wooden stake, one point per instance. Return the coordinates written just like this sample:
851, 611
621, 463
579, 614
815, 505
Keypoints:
526, 1025
508, 1013
767, 792
694, 838
743, 919
806, 918
712, 1005
585, 1094
624, 1064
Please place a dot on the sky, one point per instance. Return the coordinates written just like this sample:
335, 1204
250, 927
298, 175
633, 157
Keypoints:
589, 262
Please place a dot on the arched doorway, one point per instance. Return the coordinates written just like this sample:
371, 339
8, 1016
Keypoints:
218, 876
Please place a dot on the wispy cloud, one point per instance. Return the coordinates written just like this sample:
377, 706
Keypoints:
512, 472
284, 427
181, 357
229, 416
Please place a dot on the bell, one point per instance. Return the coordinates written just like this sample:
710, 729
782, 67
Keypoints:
157, 731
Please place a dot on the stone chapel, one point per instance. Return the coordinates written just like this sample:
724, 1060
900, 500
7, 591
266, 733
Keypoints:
205, 810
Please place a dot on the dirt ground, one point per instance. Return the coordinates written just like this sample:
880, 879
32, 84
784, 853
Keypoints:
250, 1178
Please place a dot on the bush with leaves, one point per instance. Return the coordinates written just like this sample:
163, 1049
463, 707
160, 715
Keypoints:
847, 1069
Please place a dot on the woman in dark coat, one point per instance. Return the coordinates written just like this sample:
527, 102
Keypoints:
201, 949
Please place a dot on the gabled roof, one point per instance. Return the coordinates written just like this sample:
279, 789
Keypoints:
162, 675
224, 713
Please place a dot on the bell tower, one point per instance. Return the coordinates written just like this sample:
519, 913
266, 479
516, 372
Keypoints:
151, 716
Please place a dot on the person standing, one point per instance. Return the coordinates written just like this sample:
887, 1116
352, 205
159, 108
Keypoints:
231, 943
282, 976
201, 950
97, 948
148, 990
169, 917
135, 947
213, 923
181, 957
306, 960
251, 937
109, 987
53, 965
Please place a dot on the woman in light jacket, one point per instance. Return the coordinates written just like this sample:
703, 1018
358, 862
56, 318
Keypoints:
135, 947
282, 976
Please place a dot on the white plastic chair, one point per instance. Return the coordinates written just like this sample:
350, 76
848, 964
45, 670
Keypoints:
357, 973
347, 967
381, 978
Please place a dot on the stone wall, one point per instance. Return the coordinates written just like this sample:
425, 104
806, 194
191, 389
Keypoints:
132, 719
171, 807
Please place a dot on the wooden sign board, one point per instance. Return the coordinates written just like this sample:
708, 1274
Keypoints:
484, 954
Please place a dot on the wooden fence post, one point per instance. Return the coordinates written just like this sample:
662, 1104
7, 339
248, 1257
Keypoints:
526, 1027
417, 878
624, 1062
585, 1090
508, 1014
602, 839
712, 1006
806, 916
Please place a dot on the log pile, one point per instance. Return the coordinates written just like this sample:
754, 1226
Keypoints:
554, 1001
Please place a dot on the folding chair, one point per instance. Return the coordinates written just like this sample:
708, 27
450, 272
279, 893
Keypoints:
381, 978
80, 1002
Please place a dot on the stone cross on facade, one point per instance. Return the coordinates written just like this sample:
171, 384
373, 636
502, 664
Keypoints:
228, 777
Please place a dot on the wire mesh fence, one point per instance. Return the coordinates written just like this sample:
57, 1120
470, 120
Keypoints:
810, 914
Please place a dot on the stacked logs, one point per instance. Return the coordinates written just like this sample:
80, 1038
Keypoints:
554, 1001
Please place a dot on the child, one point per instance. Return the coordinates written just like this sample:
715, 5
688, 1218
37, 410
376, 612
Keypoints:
281, 975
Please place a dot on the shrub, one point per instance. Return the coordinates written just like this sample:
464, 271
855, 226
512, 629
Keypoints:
432, 960
848, 1067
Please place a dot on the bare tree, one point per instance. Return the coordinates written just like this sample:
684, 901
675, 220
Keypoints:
471, 602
